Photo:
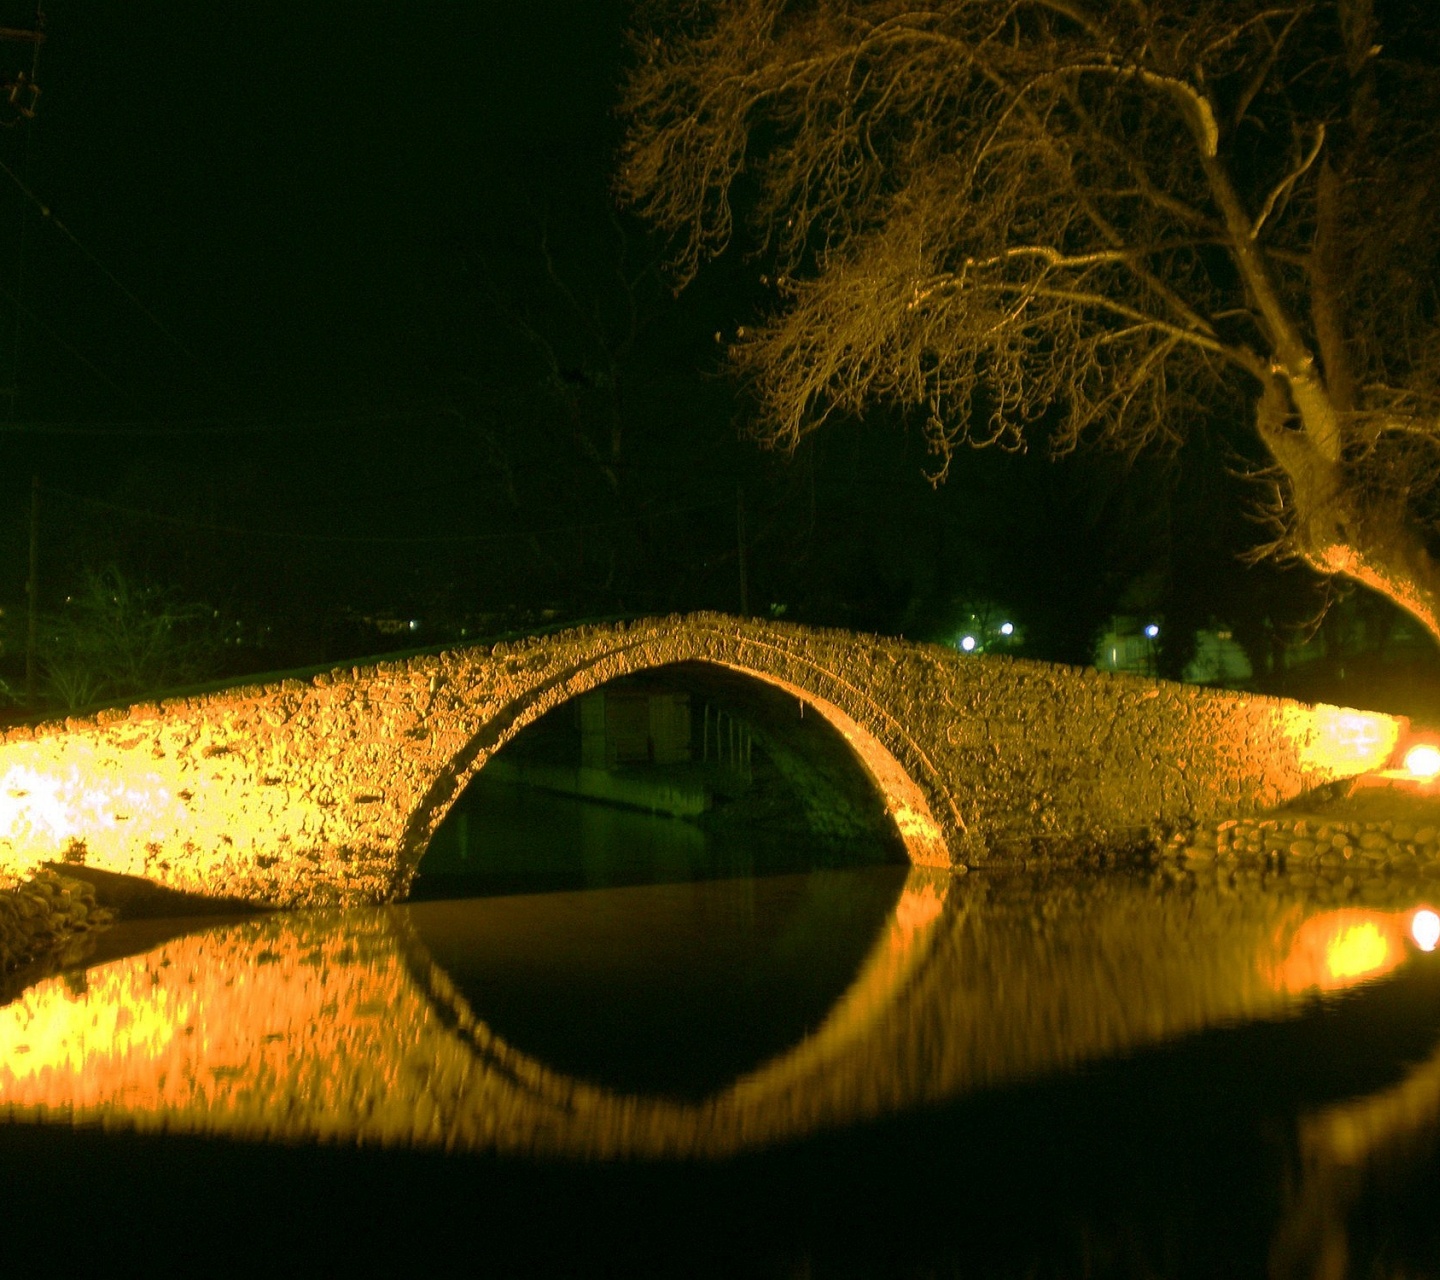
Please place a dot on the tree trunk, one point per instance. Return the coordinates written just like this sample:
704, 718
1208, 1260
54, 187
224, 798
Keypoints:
1331, 526
1335, 531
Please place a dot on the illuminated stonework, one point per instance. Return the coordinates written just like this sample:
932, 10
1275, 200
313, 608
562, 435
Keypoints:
328, 790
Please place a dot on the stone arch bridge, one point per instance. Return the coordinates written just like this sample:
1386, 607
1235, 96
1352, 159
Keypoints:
327, 790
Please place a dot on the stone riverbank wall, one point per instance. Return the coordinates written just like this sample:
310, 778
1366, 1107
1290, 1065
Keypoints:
327, 790
41, 916
1344, 854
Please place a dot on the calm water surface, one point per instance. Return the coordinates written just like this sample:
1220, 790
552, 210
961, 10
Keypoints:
865, 1072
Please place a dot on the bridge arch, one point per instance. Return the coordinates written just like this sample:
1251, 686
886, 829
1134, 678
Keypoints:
906, 801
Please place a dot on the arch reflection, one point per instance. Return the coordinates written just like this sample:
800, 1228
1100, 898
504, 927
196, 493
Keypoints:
342, 1026
672, 989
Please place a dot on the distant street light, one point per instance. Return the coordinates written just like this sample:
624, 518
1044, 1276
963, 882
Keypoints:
967, 643
1151, 631
1007, 628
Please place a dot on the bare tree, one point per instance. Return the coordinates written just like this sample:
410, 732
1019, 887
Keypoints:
1107, 220
117, 637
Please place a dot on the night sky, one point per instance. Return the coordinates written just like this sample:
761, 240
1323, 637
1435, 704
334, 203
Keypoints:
288, 187
334, 319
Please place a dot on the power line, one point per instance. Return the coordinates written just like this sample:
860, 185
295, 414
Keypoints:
379, 540
21, 308
328, 420
49, 215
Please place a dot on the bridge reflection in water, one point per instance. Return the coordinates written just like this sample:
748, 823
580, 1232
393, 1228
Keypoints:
342, 1026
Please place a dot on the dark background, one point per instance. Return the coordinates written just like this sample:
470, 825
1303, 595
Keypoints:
332, 327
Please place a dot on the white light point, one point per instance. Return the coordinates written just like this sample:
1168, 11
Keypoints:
1423, 761
1425, 929
1007, 628
1152, 631
967, 643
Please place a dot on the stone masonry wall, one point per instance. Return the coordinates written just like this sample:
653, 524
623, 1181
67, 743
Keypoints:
327, 790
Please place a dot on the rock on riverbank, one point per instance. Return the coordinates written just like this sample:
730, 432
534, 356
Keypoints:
42, 914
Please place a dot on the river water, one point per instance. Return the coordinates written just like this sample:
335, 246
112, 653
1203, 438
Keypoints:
865, 1071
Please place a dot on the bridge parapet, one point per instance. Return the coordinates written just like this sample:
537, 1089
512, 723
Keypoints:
328, 790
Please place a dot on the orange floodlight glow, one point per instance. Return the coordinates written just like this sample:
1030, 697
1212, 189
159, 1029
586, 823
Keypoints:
34, 802
1357, 951
1338, 741
1425, 929
61, 792
1342, 948
1423, 761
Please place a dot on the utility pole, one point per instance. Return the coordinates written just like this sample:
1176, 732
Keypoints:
740, 547
19, 93
32, 590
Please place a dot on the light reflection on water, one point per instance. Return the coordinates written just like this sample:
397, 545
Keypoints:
522, 1026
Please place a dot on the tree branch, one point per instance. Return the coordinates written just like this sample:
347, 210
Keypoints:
1240, 356
1288, 181
1267, 64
